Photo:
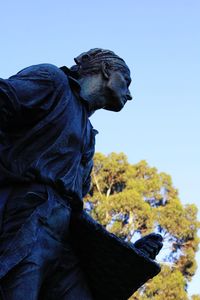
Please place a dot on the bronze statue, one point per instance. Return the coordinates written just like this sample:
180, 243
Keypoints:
50, 248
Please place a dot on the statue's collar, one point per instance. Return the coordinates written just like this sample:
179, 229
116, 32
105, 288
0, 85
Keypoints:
73, 82
75, 86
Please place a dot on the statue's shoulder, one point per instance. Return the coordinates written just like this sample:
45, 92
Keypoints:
43, 71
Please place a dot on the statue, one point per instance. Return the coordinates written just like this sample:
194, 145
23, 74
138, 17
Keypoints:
50, 248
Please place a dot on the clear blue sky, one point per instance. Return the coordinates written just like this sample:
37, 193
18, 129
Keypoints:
159, 40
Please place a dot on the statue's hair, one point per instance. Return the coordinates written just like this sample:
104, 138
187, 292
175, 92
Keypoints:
90, 62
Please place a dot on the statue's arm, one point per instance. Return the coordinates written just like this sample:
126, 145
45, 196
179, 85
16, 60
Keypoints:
87, 178
87, 162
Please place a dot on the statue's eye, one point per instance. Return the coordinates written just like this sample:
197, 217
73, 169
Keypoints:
128, 81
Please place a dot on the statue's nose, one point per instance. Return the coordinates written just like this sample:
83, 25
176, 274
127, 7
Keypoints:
129, 96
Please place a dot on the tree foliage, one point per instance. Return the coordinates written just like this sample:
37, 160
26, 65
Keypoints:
134, 200
196, 297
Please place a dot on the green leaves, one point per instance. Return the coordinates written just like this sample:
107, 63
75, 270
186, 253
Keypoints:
169, 284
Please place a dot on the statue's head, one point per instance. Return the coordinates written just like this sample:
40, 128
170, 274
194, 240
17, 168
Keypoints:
104, 78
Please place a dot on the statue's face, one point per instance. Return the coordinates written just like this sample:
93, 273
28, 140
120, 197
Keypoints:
117, 91
108, 89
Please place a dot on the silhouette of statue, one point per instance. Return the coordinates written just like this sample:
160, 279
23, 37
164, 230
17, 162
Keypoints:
50, 248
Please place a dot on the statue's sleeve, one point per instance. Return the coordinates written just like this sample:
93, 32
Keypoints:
27, 96
87, 162
87, 179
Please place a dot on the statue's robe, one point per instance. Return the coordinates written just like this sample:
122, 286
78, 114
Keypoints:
46, 150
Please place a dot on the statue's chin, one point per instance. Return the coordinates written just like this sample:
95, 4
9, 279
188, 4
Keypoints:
114, 108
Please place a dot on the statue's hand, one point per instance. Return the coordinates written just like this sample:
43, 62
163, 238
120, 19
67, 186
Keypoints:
150, 244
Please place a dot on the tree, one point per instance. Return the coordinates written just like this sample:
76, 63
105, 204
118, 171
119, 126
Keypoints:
196, 297
134, 200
